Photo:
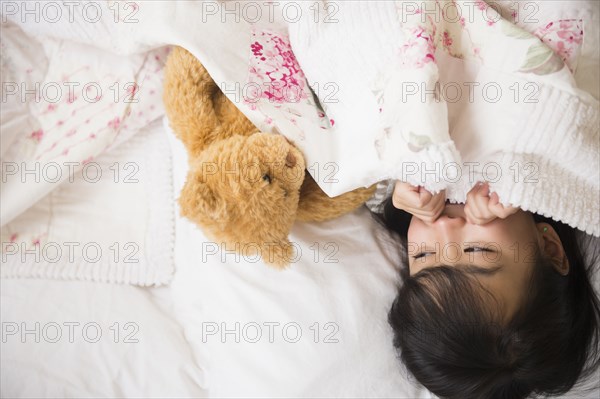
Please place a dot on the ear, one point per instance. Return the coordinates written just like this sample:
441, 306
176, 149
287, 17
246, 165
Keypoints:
198, 199
552, 248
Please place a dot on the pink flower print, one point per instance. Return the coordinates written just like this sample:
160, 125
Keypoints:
37, 135
446, 39
332, 122
273, 66
481, 5
132, 90
514, 15
570, 33
36, 242
491, 22
419, 43
65, 152
87, 160
13, 237
565, 38
51, 107
114, 123
563, 51
256, 48
71, 132
462, 21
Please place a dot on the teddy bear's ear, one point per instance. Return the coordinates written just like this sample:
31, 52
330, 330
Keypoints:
197, 200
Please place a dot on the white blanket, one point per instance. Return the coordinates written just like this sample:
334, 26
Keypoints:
525, 120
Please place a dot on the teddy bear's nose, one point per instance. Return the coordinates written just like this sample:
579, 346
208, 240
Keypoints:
290, 160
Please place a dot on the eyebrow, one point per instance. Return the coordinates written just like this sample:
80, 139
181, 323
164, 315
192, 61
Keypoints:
474, 269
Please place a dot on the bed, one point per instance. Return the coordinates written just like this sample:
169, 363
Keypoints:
174, 315
316, 329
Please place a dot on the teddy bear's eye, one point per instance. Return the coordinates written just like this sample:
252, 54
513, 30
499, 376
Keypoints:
266, 177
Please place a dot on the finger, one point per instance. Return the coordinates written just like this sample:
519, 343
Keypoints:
498, 209
484, 190
434, 208
429, 217
403, 186
420, 212
422, 199
404, 195
469, 215
440, 203
477, 202
424, 196
482, 203
441, 196
426, 218
472, 194
473, 218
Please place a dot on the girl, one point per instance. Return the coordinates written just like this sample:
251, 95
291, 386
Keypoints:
496, 302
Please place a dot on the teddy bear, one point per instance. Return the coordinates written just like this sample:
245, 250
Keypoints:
244, 188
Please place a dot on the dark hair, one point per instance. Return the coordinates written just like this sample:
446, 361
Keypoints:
447, 337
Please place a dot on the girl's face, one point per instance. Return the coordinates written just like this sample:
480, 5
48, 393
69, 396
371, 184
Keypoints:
500, 255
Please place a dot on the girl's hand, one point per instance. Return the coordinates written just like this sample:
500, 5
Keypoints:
482, 208
418, 201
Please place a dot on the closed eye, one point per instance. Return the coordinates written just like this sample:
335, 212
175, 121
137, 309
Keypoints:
466, 250
477, 249
267, 177
422, 255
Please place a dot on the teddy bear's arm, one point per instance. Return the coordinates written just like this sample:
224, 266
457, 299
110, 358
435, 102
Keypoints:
315, 205
198, 111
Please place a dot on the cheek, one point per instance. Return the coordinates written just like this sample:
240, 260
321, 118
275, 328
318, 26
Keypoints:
418, 231
512, 233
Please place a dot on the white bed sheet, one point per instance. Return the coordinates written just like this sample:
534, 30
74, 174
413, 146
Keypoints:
180, 354
341, 277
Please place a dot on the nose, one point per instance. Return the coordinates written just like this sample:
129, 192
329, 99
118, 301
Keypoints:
454, 211
290, 160
450, 222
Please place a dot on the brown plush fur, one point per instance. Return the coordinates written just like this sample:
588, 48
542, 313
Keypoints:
244, 188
